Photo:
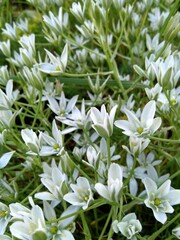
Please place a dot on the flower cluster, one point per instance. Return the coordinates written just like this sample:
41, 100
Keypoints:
89, 119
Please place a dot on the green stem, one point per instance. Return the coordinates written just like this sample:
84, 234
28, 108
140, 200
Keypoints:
106, 224
175, 175
32, 193
85, 227
164, 140
38, 109
109, 151
156, 234
131, 172
85, 74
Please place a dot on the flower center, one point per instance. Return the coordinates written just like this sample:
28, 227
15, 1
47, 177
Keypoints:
157, 201
53, 230
57, 68
3, 214
56, 146
140, 130
62, 113
173, 101
83, 195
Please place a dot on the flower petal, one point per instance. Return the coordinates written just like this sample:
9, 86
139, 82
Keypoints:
148, 111
150, 186
102, 190
160, 216
174, 197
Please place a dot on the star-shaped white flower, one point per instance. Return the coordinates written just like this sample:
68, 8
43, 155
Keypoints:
161, 199
147, 124
103, 122
82, 194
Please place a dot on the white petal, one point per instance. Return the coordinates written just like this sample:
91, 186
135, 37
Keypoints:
64, 56
150, 186
112, 114
164, 189
103, 191
70, 210
73, 199
101, 130
174, 197
125, 125
45, 196
66, 235
148, 111
155, 125
132, 118
160, 216
115, 172
49, 212
5, 158
95, 115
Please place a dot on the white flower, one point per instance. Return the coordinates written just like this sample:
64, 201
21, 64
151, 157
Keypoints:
4, 75
7, 118
28, 43
176, 232
97, 58
166, 72
4, 217
152, 93
92, 157
157, 18
129, 104
30, 227
82, 194
147, 124
103, 122
56, 230
57, 65
17, 60
87, 29
129, 226
64, 107
27, 57
103, 150
55, 180
114, 184
78, 119
161, 199
57, 24
23, 25
7, 99
51, 145
173, 99
147, 161
77, 11
33, 77
137, 145
139, 173
31, 140
10, 31
5, 48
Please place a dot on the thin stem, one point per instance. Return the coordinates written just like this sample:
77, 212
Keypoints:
156, 234
32, 193
109, 152
131, 172
164, 140
106, 224
85, 227
38, 109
